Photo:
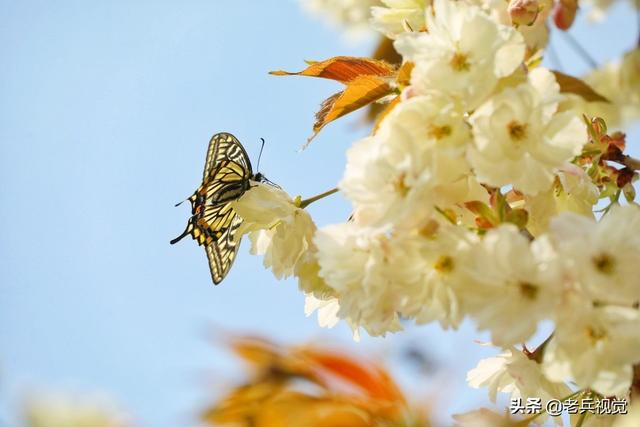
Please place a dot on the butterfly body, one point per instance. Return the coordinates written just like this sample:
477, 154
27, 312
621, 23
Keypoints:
213, 223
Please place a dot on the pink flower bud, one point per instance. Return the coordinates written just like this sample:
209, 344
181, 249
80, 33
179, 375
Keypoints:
523, 12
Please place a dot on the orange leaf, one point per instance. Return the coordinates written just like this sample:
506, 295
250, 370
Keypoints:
404, 74
386, 52
388, 108
361, 91
242, 403
368, 377
270, 360
570, 84
295, 409
342, 68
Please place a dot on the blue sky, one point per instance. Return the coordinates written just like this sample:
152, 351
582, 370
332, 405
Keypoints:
105, 115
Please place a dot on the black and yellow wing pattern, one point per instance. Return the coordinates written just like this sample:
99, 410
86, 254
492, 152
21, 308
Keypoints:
213, 223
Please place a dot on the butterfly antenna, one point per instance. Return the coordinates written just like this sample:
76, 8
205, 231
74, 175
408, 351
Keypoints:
260, 155
178, 204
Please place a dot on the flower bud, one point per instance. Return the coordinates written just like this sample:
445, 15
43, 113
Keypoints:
564, 13
523, 12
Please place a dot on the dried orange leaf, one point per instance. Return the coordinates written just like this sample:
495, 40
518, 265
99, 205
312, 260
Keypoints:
570, 84
404, 74
386, 52
388, 108
361, 91
342, 68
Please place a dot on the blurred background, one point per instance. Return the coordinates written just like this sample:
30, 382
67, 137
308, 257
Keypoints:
106, 110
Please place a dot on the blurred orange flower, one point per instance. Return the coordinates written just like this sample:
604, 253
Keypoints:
310, 386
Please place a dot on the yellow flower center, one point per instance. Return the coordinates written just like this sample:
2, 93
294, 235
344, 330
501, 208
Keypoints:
604, 263
460, 62
444, 264
528, 290
400, 186
517, 131
439, 132
429, 229
594, 334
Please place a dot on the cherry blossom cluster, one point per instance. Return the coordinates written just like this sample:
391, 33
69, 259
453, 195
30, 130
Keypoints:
476, 197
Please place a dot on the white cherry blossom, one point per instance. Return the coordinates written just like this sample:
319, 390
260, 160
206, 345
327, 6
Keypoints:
278, 228
463, 54
604, 257
521, 139
595, 346
515, 373
513, 284
410, 164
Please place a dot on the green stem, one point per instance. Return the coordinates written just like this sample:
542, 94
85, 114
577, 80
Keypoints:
307, 202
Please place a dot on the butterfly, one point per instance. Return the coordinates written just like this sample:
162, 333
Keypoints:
213, 223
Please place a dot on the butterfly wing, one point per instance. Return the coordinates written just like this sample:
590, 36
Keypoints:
222, 252
215, 228
207, 224
224, 147
227, 170
228, 182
